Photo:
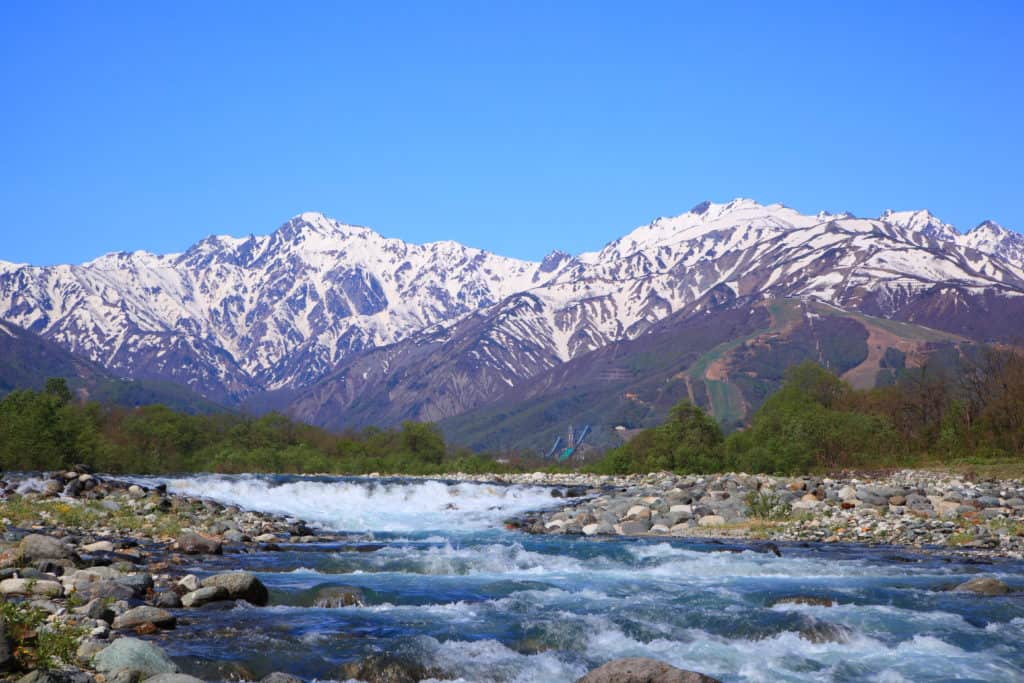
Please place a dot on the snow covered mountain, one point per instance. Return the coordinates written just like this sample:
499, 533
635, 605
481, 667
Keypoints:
904, 266
325, 312
234, 316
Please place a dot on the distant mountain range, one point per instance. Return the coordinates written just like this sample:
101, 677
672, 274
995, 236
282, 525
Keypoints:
340, 326
27, 361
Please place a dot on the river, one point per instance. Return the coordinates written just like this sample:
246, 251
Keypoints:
446, 585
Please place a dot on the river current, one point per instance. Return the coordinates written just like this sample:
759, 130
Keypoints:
446, 585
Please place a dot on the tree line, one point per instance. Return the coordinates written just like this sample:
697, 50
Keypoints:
49, 429
938, 413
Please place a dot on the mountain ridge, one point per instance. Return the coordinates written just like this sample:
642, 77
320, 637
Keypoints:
298, 311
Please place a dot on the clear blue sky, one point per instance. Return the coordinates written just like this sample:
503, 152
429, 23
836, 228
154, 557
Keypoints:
513, 126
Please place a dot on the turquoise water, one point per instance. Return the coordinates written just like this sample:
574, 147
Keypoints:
451, 589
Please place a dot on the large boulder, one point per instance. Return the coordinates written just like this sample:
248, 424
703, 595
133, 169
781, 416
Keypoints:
641, 670
240, 586
132, 654
981, 585
35, 547
144, 614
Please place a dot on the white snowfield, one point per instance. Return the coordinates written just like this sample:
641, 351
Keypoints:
279, 311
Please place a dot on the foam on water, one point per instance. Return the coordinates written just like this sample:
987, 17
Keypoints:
371, 505
453, 591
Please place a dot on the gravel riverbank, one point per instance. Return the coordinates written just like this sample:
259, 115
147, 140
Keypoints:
909, 508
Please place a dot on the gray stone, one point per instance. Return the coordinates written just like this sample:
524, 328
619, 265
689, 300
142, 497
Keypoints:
57, 677
193, 544
204, 595
50, 589
137, 616
633, 527
173, 678
642, 670
36, 547
278, 677
167, 600
241, 586
132, 654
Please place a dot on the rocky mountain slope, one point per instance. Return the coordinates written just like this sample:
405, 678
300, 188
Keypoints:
27, 361
345, 327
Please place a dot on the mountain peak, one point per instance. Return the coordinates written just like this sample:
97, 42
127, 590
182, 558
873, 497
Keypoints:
923, 221
990, 226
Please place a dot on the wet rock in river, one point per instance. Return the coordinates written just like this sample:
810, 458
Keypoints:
339, 596
204, 595
642, 670
241, 586
803, 600
388, 669
983, 585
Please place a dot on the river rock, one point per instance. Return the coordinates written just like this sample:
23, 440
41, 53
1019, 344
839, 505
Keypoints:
167, 600
49, 589
818, 631
279, 677
35, 547
241, 586
192, 543
387, 669
173, 678
711, 520
339, 596
144, 614
132, 654
642, 670
96, 609
98, 547
41, 676
803, 600
204, 595
981, 585
189, 583
633, 527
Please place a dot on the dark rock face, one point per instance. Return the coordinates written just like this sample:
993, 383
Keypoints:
640, 670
